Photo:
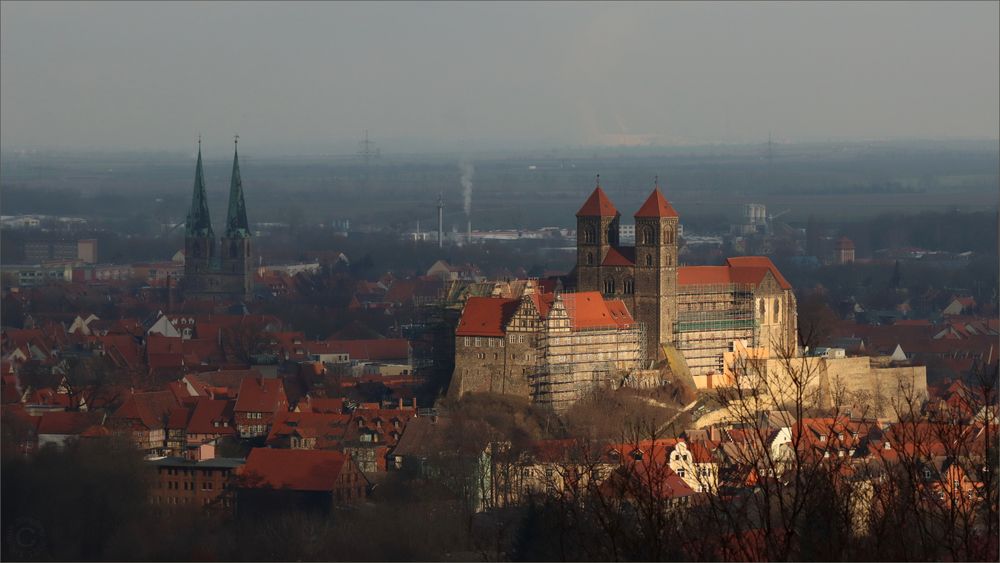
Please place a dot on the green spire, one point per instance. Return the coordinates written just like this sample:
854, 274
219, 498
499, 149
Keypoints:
198, 223
236, 221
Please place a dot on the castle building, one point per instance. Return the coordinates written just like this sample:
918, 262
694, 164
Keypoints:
550, 348
631, 307
220, 272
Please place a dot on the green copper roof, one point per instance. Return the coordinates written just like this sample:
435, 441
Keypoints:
198, 223
236, 221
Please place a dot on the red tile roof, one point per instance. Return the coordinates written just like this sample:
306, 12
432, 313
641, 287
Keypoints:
329, 430
178, 417
740, 270
149, 409
208, 412
297, 470
486, 316
754, 268
624, 256
589, 309
656, 206
258, 394
322, 405
66, 422
597, 205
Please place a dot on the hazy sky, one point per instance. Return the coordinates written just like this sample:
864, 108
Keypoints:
312, 76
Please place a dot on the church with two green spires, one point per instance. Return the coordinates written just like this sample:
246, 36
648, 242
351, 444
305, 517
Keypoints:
223, 271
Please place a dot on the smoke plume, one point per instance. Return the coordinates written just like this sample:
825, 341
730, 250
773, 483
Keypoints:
466, 180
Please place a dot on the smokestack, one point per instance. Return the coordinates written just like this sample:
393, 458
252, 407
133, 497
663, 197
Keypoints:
440, 220
468, 238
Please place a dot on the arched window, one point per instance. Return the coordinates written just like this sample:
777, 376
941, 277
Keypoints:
777, 309
668, 235
590, 258
628, 287
763, 309
647, 236
196, 251
649, 259
670, 260
609, 286
588, 235
608, 236
234, 251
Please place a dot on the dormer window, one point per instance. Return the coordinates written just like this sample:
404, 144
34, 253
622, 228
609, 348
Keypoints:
822, 438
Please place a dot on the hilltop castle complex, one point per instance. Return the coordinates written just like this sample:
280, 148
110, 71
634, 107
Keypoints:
220, 272
633, 306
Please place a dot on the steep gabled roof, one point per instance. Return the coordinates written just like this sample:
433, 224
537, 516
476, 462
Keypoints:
597, 205
656, 206
259, 394
208, 412
754, 268
589, 309
623, 256
149, 409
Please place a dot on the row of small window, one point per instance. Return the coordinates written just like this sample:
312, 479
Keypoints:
481, 341
186, 500
188, 471
253, 429
254, 415
496, 356
187, 485
628, 286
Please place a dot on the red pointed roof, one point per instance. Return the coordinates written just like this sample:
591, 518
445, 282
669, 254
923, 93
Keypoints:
597, 205
656, 206
620, 256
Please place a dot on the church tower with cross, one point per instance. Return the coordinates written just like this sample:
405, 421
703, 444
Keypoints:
223, 272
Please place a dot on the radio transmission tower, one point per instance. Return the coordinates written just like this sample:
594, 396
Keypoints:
367, 149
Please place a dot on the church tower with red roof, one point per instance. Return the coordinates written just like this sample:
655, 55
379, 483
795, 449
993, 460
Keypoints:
643, 276
597, 225
656, 268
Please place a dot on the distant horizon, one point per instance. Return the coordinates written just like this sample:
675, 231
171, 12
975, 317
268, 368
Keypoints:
487, 148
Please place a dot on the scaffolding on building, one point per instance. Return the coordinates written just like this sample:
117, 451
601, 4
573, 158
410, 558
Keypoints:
573, 360
709, 318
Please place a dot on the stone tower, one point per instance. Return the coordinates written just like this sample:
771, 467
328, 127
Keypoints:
199, 239
596, 232
656, 269
235, 252
226, 272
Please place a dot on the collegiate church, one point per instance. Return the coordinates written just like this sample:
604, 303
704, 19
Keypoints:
218, 272
697, 310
